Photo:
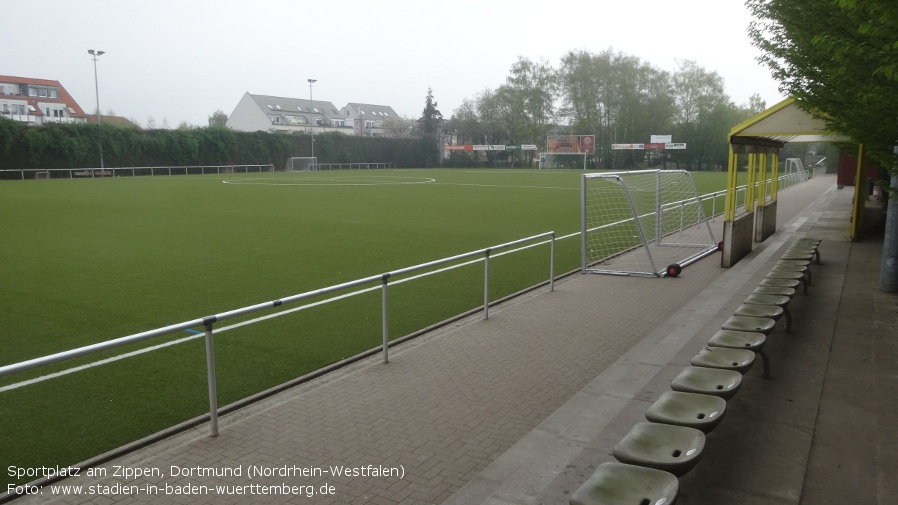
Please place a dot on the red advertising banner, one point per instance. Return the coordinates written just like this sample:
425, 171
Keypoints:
448, 147
655, 145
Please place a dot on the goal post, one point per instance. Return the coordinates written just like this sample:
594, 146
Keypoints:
301, 164
646, 222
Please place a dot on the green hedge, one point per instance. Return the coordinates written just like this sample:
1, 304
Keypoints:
59, 145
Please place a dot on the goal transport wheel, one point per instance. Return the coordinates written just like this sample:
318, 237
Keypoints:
674, 270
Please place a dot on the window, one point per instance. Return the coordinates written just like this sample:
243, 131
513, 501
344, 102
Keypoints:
31, 108
42, 92
32, 91
54, 93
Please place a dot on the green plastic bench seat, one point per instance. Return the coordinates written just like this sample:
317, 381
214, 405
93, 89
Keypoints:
780, 273
754, 310
776, 273
750, 323
794, 266
773, 290
708, 381
622, 484
674, 449
800, 253
783, 283
749, 340
767, 299
739, 360
702, 412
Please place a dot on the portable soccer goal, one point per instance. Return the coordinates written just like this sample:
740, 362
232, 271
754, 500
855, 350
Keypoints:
646, 222
301, 164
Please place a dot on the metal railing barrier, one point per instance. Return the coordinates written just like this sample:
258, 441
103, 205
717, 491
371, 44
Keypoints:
208, 322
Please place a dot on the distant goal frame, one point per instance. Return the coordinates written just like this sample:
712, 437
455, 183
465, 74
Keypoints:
301, 164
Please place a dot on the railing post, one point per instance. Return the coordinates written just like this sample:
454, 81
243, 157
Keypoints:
210, 372
384, 318
552, 263
486, 284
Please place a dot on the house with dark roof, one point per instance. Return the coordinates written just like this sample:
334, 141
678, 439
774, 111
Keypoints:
37, 101
275, 113
368, 119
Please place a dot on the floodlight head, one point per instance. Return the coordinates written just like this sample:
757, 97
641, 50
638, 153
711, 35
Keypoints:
96, 53
312, 80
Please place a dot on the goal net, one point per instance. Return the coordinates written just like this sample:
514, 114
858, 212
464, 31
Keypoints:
301, 164
646, 222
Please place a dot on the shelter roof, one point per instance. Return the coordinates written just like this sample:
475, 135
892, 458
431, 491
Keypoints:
782, 123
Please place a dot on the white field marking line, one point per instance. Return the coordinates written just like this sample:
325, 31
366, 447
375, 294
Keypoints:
259, 319
506, 186
560, 171
314, 182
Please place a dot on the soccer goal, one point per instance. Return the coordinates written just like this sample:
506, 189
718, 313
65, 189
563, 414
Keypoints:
646, 222
301, 164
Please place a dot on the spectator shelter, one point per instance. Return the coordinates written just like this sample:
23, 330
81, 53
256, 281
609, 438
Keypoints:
755, 144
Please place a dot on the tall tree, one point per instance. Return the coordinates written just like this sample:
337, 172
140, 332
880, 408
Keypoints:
704, 115
430, 122
839, 59
527, 97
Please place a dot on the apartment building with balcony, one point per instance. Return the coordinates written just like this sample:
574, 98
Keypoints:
273, 113
37, 101
368, 119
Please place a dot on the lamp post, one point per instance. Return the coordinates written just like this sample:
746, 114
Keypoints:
311, 118
97, 88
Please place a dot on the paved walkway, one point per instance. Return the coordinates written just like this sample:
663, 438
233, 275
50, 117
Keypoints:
520, 408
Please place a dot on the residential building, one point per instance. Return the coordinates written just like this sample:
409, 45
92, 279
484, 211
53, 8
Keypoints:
37, 101
274, 113
368, 119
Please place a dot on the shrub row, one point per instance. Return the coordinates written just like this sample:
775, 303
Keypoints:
59, 145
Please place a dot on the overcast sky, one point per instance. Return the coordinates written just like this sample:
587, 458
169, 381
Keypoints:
181, 60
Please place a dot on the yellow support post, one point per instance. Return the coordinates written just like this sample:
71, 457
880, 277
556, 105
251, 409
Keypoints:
762, 177
750, 183
774, 173
730, 205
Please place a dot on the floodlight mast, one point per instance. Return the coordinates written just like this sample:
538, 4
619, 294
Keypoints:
95, 54
311, 118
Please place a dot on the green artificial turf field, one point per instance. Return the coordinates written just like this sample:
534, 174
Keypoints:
88, 260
